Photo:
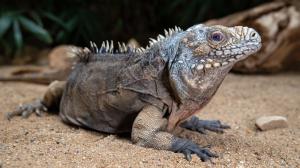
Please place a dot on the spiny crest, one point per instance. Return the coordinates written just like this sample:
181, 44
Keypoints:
86, 54
160, 37
108, 47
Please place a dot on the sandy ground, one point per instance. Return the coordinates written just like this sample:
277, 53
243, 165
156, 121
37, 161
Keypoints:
47, 142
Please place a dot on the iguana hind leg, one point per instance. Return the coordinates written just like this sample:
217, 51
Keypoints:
149, 131
51, 99
195, 124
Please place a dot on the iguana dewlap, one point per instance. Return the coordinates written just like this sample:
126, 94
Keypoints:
149, 92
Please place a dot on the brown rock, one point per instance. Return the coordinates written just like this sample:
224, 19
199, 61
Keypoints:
62, 57
265, 123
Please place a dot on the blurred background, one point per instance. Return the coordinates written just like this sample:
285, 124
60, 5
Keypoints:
30, 29
47, 23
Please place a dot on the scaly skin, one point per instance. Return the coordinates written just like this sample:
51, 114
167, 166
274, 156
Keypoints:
151, 91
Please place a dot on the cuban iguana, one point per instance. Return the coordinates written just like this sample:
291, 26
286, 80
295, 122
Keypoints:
149, 92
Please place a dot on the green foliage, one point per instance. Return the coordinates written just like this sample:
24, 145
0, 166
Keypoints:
44, 25
14, 24
38, 31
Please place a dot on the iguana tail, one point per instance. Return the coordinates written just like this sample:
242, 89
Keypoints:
40, 78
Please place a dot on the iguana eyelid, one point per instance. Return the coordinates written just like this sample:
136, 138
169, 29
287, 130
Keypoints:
217, 44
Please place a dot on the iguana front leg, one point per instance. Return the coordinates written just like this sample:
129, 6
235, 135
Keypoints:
149, 131
51, 99
195, 124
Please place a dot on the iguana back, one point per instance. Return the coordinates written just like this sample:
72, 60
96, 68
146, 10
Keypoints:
106, 91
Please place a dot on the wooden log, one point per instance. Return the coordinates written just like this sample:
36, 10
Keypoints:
279, 25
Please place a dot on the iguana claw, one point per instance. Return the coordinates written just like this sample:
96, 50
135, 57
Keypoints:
202, 125
188, 148
26, 110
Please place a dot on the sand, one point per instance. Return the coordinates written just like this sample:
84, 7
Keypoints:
48, 142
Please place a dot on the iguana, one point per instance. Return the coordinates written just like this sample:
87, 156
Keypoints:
149, 92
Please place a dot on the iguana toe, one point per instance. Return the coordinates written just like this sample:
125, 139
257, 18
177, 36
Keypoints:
26, 110
201, 126
188, 148
213, 125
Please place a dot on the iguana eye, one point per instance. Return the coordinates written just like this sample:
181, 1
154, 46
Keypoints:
217, 36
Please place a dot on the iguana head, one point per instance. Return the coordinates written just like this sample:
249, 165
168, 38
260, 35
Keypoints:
203, 57
216, 46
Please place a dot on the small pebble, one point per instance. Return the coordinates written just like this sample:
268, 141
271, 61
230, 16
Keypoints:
265, 123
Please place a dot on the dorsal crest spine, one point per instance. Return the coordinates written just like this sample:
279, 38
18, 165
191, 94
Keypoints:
108, 47
86, 54
159, 38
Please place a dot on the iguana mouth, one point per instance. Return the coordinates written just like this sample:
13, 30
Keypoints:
236, 54
245, 41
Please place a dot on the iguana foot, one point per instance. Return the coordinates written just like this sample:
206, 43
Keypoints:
26, 110
201, 126
188, 148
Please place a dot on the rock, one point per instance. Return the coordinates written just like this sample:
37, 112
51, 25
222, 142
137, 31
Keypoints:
63, 56
31, 55
265, 123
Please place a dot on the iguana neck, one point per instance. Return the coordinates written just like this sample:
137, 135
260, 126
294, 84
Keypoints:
191, 84
186, 83
169, 47
193, 90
